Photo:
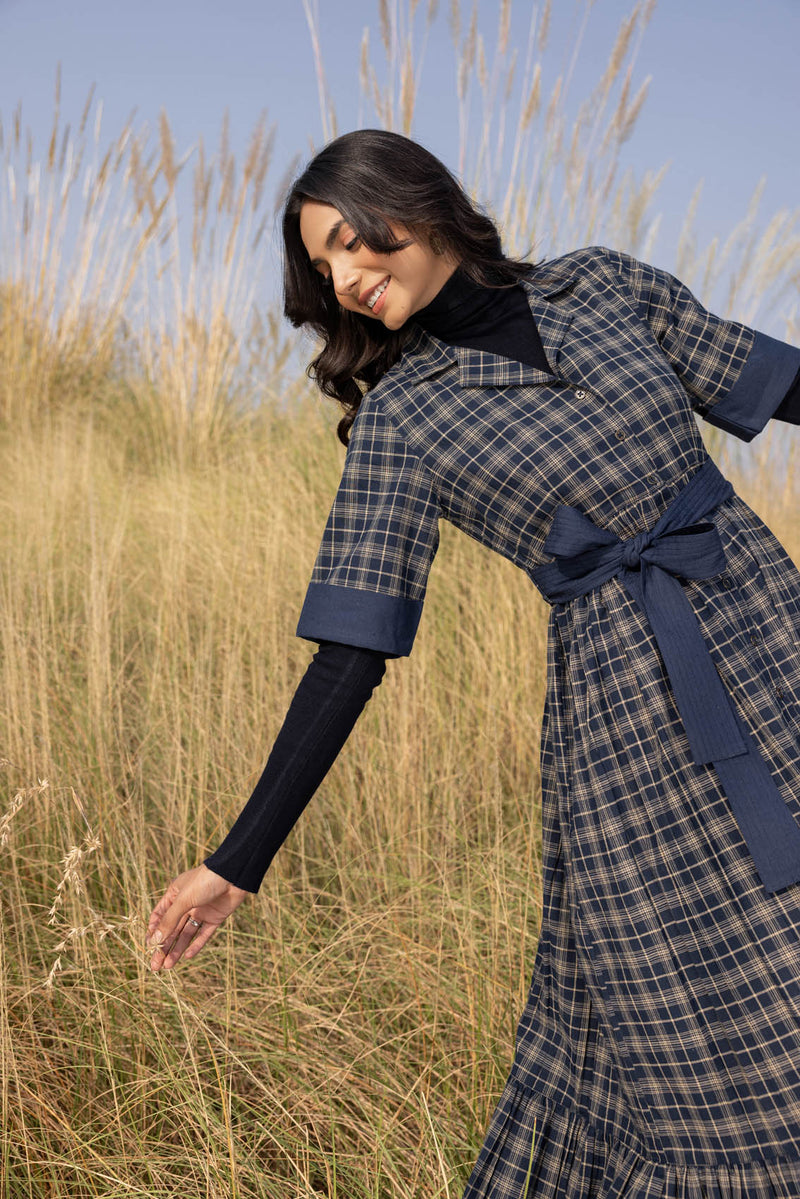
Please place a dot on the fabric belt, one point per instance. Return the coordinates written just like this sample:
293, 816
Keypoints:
649, 566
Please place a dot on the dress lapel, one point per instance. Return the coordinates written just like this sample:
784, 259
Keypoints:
425, 355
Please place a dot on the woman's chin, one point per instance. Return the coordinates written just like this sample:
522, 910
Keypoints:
394, 319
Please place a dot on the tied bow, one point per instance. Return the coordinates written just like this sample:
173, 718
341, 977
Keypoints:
649, 566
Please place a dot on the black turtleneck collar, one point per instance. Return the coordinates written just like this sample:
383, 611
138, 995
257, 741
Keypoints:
495, 319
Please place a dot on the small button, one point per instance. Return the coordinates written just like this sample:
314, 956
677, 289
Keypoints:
780, 692
651, 478
727, 582
620, 434
580, 394
755, 638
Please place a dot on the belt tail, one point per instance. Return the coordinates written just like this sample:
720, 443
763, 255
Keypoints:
716, 733
768, 827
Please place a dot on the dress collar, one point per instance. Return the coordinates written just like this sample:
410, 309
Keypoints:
548, 294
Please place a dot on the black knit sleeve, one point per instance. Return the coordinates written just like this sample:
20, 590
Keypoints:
326, 705
789, 407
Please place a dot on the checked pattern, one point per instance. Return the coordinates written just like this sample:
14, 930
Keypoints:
658, 1056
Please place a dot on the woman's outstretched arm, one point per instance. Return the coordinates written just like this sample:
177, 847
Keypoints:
326, 705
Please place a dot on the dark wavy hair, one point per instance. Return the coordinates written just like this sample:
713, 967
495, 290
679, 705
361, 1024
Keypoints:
373, 178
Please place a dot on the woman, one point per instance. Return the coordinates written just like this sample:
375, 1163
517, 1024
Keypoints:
548, 411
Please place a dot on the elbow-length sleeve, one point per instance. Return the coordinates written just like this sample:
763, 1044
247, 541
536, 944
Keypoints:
370, 575
735, 376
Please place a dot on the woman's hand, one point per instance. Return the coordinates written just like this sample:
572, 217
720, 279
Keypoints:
191, 910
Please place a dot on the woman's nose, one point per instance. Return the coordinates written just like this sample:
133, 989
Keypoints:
345, 278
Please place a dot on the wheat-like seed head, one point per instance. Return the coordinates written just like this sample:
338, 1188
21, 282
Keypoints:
71, 874
16, 803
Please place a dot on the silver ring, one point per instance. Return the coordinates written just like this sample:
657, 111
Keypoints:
196, 923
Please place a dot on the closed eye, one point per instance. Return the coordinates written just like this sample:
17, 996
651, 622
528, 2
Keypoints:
350, 245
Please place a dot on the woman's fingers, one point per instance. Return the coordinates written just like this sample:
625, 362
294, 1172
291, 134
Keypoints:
172, 909
201, 938
198, 895
182, 941
172, 940
173, 943
157, 915
186, 943
164, 904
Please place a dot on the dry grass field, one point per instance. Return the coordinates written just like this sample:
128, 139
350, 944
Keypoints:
165, 473
349, 1033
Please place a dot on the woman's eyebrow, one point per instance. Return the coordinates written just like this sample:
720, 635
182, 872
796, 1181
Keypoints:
330, 239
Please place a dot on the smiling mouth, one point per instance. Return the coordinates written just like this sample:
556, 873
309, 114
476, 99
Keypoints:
374, 296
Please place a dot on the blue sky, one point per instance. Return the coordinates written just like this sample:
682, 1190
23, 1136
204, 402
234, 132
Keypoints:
724, 100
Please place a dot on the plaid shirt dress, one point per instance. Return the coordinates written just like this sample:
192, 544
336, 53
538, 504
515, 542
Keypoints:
658, 1055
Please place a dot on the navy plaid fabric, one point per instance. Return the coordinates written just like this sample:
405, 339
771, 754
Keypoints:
658, 1056
382, 533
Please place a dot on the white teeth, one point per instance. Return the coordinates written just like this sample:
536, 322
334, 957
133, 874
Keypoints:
378, 292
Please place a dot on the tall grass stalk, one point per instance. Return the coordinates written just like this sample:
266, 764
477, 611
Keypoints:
165, 480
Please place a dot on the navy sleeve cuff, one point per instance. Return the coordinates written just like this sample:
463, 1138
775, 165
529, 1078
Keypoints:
756, 395
367, 619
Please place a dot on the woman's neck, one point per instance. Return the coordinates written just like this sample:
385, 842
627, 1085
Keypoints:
497, 320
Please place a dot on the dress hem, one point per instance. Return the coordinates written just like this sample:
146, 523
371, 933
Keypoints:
537, 1148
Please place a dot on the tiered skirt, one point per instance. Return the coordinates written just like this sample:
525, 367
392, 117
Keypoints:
658, 1056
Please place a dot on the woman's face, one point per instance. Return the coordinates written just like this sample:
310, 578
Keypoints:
387, 287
